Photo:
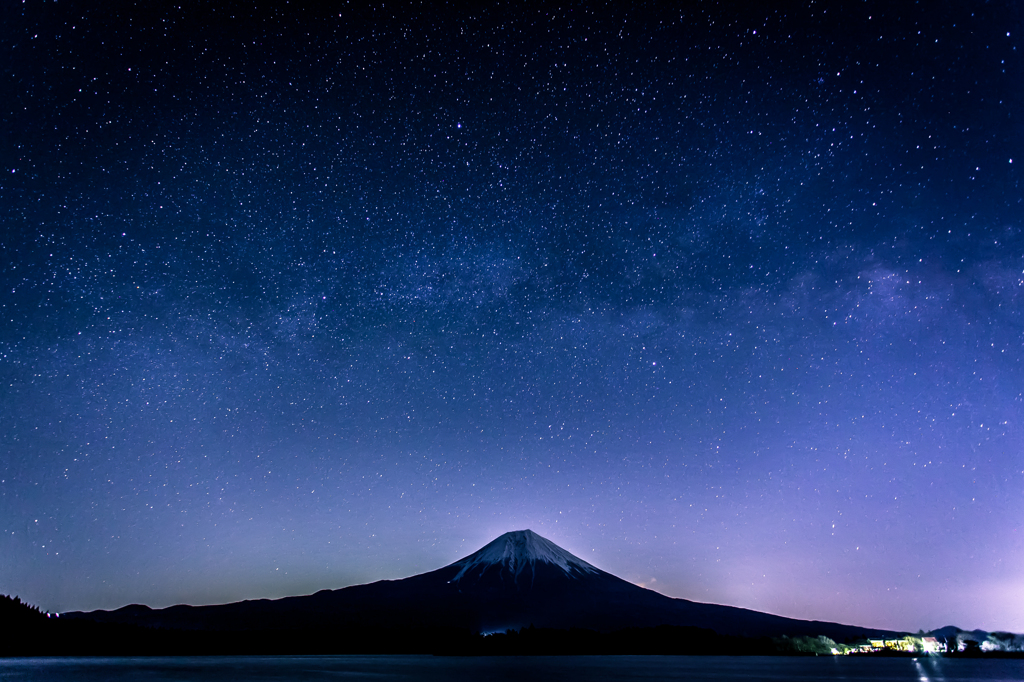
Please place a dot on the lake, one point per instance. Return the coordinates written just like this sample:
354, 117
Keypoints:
502, 668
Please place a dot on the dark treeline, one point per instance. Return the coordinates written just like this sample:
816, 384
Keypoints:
28, 632
25, 631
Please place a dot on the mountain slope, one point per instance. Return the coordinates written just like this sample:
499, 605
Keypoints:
517, 580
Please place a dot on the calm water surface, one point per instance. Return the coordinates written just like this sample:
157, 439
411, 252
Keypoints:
499, 669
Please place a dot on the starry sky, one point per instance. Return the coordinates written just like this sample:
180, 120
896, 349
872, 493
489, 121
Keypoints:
727, 302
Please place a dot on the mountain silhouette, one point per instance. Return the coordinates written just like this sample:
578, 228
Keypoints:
518, 580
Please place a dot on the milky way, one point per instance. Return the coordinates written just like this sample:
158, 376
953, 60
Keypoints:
727, 304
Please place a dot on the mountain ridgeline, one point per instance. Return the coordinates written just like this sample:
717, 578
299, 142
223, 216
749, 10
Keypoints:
517, 581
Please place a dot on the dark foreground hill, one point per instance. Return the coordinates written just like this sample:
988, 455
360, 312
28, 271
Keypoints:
517, 581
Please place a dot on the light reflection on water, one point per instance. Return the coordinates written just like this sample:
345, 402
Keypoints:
507, 668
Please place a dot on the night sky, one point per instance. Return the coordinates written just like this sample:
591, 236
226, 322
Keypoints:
729, 303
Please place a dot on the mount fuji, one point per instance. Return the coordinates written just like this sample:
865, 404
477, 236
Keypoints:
517, 580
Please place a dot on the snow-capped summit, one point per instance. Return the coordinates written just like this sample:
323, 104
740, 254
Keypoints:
515, 556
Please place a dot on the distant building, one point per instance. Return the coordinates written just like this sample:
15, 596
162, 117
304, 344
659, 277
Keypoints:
902, 644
